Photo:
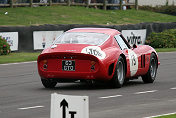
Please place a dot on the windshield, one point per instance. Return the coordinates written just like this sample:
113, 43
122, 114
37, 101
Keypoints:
82, 38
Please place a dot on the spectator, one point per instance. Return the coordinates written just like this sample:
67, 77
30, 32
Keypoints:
94, 1
115, 2
3, 1
124, 2
43, 1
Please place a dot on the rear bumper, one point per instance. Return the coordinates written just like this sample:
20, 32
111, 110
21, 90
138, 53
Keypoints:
72, 75
101, 74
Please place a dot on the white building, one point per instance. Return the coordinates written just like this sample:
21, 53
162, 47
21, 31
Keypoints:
154, 3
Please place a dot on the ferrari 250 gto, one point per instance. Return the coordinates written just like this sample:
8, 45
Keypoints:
96, 54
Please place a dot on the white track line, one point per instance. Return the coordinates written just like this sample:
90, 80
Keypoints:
113, 96
143, 92
19, 63
160, 115
173, 88
33, 107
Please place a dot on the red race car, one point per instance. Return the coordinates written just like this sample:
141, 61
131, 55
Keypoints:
96, 54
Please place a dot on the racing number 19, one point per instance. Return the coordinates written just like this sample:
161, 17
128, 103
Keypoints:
133, 60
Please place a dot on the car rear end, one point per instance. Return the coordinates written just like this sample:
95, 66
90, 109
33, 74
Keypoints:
76, 55
68, 66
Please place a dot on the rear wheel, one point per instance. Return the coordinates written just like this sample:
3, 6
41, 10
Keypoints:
119, 74
47, 83
151, 74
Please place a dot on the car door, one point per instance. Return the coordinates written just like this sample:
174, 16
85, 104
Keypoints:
130, 53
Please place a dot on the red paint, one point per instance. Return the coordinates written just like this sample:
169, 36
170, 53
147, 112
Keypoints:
83, 62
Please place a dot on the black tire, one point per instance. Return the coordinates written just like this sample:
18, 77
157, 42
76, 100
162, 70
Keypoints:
47, 83
150, 76
119, 74
126, 80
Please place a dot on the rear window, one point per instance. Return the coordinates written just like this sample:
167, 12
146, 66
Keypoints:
82, 38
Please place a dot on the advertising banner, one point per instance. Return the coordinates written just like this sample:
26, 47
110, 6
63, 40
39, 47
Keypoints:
44, 39
135, 36
11, 38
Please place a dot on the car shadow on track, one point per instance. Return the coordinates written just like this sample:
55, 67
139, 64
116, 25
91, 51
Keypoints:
96, 86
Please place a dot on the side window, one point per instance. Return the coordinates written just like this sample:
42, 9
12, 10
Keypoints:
121, 42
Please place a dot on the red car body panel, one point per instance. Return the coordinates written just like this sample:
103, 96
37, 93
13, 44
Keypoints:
104, 68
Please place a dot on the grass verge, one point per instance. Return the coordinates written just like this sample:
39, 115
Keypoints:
66, 15
23, 57
165, 49
167, 116
18, 57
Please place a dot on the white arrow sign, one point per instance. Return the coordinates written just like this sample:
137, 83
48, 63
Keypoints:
66, 106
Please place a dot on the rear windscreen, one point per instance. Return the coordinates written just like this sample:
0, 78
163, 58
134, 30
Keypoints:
91, 38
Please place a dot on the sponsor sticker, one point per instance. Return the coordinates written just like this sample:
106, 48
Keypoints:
94, 50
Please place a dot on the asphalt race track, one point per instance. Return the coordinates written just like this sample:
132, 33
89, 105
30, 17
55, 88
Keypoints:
23, 96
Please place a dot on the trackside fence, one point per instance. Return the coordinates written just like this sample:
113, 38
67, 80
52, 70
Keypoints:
25, 33
104, 4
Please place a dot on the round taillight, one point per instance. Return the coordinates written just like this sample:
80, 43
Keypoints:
45, 66
92, 67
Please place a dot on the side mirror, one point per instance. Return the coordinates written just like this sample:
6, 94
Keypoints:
134, 46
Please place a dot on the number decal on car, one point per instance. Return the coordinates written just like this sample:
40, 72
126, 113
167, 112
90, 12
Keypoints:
133, 59
133, 63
